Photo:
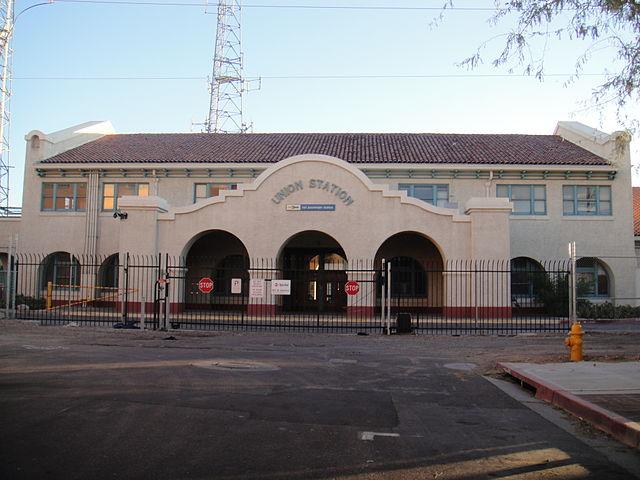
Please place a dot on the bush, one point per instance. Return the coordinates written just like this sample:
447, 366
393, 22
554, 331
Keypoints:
588, 309
31, 302
552, 292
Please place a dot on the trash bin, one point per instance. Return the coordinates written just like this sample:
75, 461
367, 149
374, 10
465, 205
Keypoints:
403, 323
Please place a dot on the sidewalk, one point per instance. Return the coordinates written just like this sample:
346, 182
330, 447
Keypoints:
607, 395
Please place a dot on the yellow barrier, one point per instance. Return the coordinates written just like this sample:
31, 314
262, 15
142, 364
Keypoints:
84, 301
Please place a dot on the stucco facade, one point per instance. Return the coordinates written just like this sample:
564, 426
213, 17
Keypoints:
366, 204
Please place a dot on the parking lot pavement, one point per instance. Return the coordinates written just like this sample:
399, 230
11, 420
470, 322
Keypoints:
99, 404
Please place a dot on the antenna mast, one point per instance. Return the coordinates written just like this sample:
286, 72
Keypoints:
6, 24
227, 84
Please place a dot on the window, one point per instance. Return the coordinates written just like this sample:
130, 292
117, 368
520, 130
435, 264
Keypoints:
206, 190
61, 269
525, 274
64, 197
112, 191
437, 195
526, 199
591, 278
586, 200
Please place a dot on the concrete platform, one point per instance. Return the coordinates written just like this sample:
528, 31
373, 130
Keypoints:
607, 395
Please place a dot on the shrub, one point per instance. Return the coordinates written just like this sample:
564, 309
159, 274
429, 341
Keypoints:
31, 302
588, 309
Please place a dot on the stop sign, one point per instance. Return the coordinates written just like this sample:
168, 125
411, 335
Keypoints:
205, 285
351, 287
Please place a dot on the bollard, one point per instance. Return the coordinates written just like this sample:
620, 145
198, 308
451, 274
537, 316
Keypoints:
49, 295
574, 342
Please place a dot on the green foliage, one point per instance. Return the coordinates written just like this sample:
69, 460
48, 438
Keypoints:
607, 25
588, 309
552, 292
31, 302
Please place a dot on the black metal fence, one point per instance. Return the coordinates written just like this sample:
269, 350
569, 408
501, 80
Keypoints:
312, 293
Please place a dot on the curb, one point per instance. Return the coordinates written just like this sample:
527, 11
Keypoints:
621, 428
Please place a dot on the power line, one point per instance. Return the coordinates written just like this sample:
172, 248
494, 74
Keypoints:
305, 77
278, 6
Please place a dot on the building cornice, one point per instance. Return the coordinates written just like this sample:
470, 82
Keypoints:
375, 171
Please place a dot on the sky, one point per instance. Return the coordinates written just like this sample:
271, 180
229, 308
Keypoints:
54, 44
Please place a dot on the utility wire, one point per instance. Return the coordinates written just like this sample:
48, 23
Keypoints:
275, 6
308, 77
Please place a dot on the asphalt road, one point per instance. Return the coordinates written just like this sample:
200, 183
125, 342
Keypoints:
134, 405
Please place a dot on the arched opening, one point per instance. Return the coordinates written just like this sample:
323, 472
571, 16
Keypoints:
527, 277
416, 273
222, 257
108, 273
316, 264
107, 279
593, 279
61, 269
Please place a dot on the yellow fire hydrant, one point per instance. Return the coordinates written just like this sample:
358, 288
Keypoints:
574, 342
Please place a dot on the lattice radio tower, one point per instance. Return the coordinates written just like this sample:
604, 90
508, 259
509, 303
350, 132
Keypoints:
6, 23
227, 84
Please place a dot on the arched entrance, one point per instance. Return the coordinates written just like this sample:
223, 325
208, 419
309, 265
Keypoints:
222, 257
417, 270
316, 265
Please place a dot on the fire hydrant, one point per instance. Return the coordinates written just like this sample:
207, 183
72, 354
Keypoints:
574, 342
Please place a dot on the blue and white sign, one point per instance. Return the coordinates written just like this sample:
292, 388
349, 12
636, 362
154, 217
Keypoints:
312, 207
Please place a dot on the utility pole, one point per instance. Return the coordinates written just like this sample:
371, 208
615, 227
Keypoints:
227, 84
6, 23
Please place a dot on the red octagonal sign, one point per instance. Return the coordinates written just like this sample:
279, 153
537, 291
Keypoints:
351, 287
205, 285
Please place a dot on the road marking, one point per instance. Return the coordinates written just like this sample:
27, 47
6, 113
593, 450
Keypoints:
369, 436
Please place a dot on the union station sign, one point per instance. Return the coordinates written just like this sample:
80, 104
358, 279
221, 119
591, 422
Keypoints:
313, 183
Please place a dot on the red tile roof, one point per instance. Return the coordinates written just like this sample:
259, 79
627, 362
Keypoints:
636, 211
353, 147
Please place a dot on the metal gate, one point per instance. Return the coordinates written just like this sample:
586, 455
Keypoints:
264, 295
312, 294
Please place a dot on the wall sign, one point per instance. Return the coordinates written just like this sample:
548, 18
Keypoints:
312, 207
256, 288
281, 287
313, 184
236, 285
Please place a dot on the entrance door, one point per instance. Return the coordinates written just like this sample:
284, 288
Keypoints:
317, 281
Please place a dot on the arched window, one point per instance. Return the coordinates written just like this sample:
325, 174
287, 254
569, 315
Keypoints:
61, 269
592, 278
108, 273
525, 274
408, 278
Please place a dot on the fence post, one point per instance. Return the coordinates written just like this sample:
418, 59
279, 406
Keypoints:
389, 298
7, 281
573, 290
383, 294
143, 309
49, 295
125, 307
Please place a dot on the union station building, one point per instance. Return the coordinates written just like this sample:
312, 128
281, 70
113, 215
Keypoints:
312, 200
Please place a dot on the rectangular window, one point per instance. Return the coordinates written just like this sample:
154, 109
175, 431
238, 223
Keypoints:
112, 191
437, 195
526, 199
586, 200
64, 197
206, 190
